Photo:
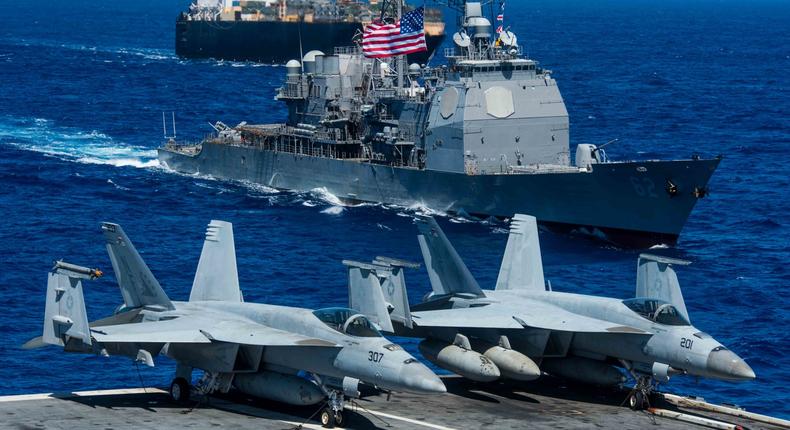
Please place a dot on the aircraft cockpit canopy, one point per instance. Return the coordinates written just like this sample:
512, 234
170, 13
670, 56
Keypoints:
656, 310
347, 321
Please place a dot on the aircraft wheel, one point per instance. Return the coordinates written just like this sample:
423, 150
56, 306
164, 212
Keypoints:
327, 418
636, 401
179, 390
340, 419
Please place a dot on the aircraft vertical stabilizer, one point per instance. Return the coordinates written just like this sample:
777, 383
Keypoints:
217, 277
393, 286
446, 270
522, 266
138, 285
655, 278
365, 294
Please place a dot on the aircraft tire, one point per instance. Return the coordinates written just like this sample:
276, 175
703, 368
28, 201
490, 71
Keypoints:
340, 419
327, 418
636, 401
179, 390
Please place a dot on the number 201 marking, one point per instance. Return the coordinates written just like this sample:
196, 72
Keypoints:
375, 356
686, 343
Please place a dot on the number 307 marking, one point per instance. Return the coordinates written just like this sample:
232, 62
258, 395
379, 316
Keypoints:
375, 356
643, 187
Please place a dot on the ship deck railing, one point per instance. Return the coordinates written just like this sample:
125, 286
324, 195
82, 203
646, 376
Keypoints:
494, 53
348, 50
543, 168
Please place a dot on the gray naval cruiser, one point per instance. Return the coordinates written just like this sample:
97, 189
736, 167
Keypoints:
486, 135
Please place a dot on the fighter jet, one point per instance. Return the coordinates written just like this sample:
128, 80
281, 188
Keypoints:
292, 355
522, 327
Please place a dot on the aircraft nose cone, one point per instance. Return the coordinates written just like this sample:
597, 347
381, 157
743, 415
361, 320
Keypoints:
725, 364
420, 379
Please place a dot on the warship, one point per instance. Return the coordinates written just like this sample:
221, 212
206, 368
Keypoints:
268, 31
486, 135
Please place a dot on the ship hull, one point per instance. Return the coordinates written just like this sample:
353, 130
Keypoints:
270, 41
625, 203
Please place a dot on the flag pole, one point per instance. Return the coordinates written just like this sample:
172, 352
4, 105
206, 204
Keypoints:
400, 57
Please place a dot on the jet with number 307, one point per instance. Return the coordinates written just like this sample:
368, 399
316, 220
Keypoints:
292, 355
522, 328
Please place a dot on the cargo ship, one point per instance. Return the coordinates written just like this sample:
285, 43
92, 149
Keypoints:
273, 31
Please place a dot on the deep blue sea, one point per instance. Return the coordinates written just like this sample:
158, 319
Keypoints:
83, 85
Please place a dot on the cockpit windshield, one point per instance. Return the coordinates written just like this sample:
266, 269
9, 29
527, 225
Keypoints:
656, 310
347, 321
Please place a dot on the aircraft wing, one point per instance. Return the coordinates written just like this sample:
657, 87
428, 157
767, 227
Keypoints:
478, 317
178, 330
249, 333
538, 314
530, 314
192, 329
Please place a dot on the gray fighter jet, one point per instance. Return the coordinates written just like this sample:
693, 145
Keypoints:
292, 355
522, 327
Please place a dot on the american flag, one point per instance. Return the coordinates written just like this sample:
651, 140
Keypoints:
403, 37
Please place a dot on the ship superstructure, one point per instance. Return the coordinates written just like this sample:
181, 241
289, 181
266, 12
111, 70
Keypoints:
485, 135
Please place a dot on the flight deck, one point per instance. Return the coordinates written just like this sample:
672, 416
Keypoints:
548, 404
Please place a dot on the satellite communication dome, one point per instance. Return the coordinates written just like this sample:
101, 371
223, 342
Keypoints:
310, 56
480, 26
309, 60
293, 67
414, 69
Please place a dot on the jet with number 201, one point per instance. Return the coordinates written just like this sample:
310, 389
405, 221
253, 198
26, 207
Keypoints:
522, 327
292, 355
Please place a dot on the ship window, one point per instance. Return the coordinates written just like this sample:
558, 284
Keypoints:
656, 310
347, 321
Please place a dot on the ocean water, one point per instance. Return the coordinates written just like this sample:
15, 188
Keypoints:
83, 85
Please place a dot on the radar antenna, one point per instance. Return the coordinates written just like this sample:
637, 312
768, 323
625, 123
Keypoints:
164, 127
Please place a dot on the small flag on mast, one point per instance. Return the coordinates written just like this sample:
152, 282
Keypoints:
501, 18
403, 37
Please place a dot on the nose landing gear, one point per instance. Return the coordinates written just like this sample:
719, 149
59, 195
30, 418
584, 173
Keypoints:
639, 397
332, 414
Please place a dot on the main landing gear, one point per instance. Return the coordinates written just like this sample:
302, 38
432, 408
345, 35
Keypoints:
179, 390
